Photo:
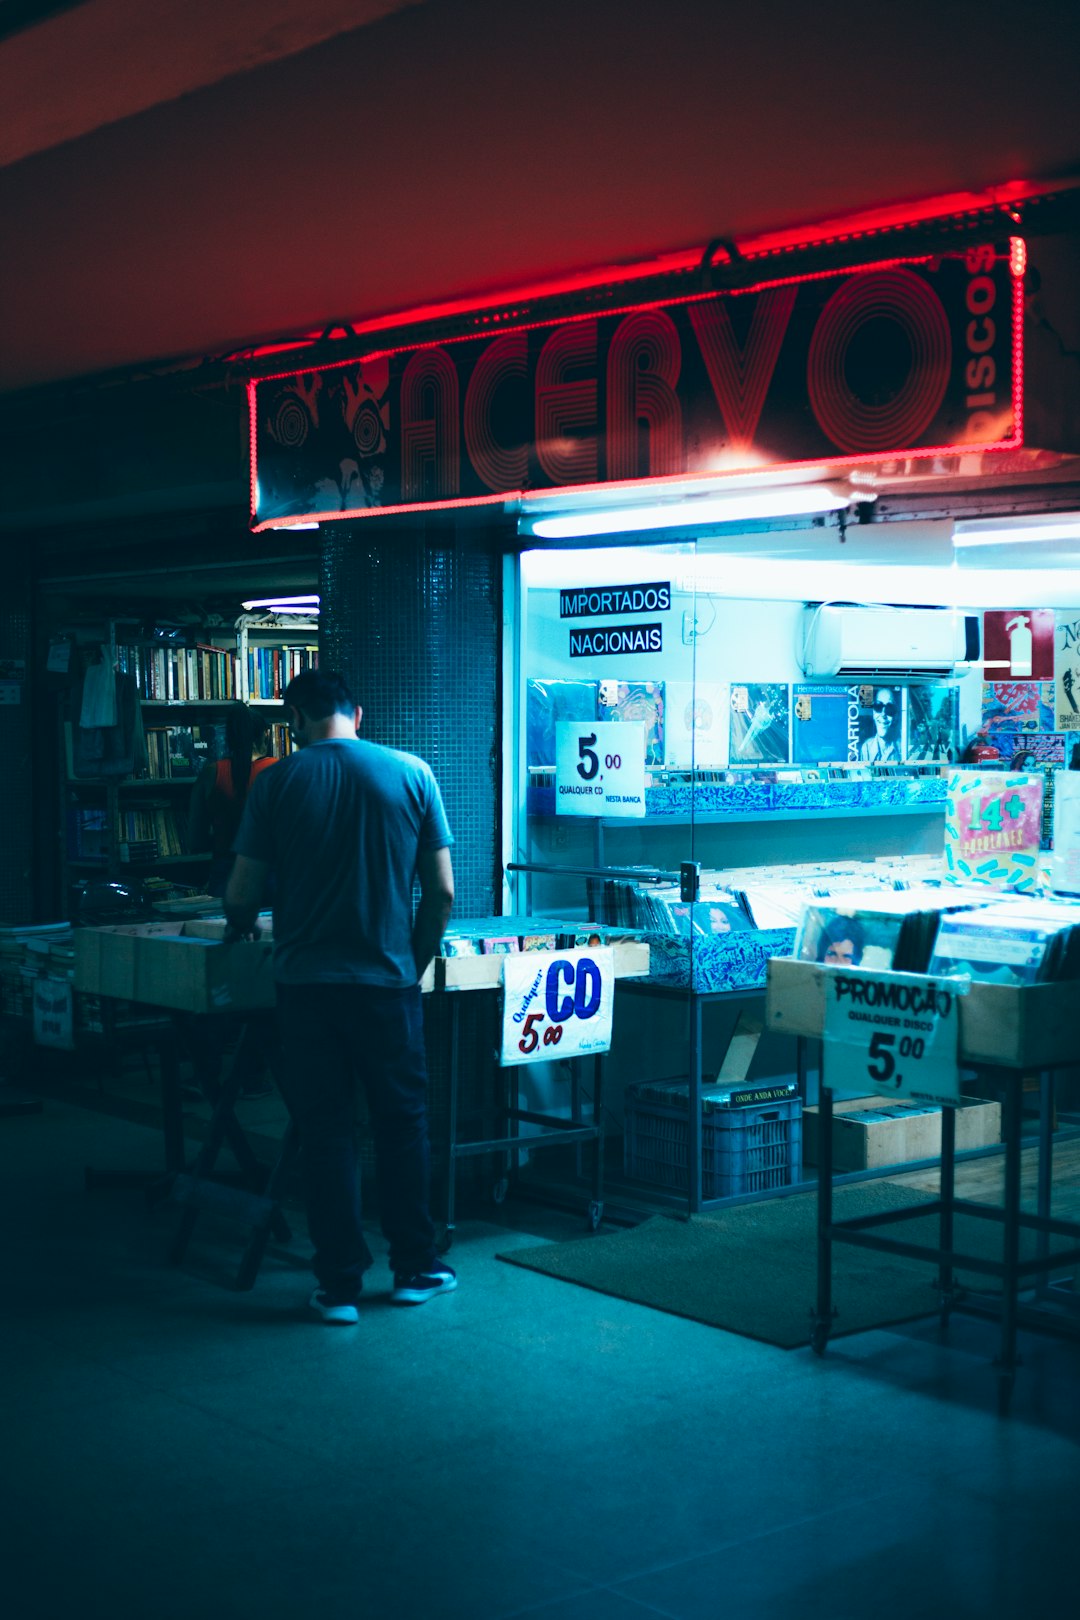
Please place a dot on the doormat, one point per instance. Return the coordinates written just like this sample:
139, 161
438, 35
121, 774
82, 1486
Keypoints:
753, 1269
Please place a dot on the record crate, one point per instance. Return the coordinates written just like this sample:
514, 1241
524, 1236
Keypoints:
751, 1137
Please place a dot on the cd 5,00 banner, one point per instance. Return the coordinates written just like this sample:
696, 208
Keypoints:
557, 1004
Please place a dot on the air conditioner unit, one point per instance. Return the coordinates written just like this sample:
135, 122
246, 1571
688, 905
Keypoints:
841, 641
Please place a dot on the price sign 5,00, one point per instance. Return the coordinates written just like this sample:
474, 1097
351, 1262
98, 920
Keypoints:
557, 1004
896, 1034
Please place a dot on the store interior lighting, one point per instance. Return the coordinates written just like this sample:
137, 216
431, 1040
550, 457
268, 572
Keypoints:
737, 505
282, 604
1047, 530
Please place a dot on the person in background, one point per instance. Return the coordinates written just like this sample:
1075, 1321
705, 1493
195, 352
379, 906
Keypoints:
217, 805
220, 791
345, 826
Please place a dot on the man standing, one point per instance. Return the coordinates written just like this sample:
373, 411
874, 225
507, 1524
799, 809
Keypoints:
345, 826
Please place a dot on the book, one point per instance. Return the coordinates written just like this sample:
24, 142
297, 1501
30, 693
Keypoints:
759, 724
637, 703
824, 724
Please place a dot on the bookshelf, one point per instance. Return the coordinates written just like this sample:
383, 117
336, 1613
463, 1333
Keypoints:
185, 678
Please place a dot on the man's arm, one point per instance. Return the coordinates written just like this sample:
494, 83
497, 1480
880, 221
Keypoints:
436, 875
243, 894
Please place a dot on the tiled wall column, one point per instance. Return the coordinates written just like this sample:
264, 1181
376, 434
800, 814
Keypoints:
414, 628
413, 623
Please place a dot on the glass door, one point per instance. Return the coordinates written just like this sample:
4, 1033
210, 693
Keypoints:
603, 691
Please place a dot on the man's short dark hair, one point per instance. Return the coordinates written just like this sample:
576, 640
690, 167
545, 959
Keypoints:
319, 693
841, 928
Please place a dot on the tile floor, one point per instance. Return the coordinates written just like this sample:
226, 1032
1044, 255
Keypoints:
523, 1447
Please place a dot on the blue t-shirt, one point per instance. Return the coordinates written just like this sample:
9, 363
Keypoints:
342, 823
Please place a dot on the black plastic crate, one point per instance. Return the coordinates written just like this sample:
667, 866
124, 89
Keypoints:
754, 1147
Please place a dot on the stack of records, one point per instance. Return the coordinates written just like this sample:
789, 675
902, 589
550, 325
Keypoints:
1017, 942
875, 930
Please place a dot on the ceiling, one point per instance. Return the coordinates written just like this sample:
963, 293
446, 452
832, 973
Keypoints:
187, 177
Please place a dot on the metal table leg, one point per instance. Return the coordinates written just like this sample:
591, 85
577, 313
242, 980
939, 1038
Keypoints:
1046, 1175
1007, 1361
451, 1155
823, 1312
946, 1280
693, 1135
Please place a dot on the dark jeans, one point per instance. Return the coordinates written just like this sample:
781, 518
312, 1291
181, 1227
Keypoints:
331, 1035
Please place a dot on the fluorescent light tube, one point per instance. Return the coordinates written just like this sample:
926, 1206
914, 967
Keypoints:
284, 604
746, 506
1023, 532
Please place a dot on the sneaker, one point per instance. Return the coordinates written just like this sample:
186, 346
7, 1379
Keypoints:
339, 1312
423, 1285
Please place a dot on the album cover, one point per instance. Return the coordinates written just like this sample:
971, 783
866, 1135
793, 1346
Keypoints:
824, 724
640, 703
696, 725
881, 724
1019, 706
548, 702
993, 827
759, 724
1029, 750
839, 936
933, 725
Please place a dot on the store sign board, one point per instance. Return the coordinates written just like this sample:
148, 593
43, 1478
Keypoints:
892, 1034
608, 601
557, 1004
599, 768
894, 359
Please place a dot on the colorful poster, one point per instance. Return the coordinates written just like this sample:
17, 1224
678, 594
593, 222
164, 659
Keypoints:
1019, 706
881, 725
759, 724
824, 724
1018, 645
1067, 671
696, 725
932, 734
1024, 750
993, 825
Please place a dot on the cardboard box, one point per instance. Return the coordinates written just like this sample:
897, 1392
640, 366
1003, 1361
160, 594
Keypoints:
868, 1132
174, 964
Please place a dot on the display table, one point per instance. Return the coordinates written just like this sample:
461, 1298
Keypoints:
186, 967
1007, 1033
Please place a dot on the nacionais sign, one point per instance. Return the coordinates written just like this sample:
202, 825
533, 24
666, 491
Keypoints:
893, 359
